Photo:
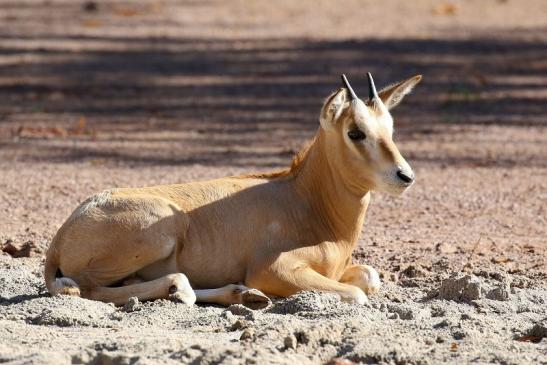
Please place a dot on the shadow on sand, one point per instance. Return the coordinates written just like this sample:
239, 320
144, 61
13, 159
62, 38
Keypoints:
218, 102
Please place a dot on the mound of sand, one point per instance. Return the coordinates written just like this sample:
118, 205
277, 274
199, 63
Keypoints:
486, 317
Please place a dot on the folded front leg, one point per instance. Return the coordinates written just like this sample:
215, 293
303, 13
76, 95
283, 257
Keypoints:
233, 294
362, 276
288, 282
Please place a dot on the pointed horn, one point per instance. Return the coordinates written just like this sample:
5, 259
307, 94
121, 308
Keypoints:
348, 86
372, 93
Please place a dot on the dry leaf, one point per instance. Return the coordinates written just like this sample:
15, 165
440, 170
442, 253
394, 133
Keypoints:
126, 11
16, 251
501, 260
534, 339
445, 9
80, 127
480, 79
42, 132
155, 7
97, 161
454, 347
92, 23
445, 248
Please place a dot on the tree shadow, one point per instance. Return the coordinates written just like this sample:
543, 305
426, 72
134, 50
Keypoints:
247, 102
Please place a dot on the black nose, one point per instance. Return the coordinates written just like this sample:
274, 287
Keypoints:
407, 179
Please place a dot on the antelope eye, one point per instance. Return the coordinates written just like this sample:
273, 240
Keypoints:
356, 135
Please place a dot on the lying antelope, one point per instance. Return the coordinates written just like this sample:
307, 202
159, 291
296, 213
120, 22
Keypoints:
230, 240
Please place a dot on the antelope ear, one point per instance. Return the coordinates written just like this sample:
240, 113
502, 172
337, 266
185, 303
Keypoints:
333, 107
394, 94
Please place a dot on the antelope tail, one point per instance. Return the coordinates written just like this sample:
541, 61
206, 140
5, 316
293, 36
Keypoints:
58, 285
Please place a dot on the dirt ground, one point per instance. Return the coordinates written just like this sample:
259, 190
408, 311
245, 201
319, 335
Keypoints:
104, 94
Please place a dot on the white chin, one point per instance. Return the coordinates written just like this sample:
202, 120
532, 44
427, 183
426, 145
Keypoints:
394, 190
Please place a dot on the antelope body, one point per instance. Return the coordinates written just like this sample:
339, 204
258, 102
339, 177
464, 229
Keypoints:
233, 239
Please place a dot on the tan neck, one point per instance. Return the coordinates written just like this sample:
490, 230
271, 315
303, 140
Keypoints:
341, 210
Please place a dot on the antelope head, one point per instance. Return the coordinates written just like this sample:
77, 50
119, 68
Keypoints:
359, 137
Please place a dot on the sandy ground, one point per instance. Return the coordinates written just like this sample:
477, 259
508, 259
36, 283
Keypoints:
138, 93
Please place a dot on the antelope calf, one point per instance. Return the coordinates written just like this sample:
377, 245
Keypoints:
239, 239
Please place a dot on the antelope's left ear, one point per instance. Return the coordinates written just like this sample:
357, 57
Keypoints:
393, 94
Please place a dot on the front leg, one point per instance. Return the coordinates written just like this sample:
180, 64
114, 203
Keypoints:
233, 294
362, 276
290, 281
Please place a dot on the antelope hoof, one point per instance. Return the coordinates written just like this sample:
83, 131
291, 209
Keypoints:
372, 282
182, 297
180, 290
252, 298
356, 296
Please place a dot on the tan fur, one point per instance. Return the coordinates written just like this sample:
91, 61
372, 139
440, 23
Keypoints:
278, 232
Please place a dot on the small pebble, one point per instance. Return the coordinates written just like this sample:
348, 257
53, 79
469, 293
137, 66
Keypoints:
247, 334
341, 361
501, 293
239, 309
465, 316
464, 289
538, 330
81, 358
116, 316
228, 315
459, 335
290, 342
444, 323
132, 305
383, 307
302, 337
239, 325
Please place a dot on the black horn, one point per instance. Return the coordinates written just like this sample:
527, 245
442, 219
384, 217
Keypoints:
372, 93
348, 86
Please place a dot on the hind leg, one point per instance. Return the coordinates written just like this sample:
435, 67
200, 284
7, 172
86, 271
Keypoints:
172, 286
104, 244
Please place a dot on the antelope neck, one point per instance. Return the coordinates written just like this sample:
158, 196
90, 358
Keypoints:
340, 209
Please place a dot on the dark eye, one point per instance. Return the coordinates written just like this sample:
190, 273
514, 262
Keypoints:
356, 135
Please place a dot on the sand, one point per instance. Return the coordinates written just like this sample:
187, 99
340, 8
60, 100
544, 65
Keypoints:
138, 93
458, 321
